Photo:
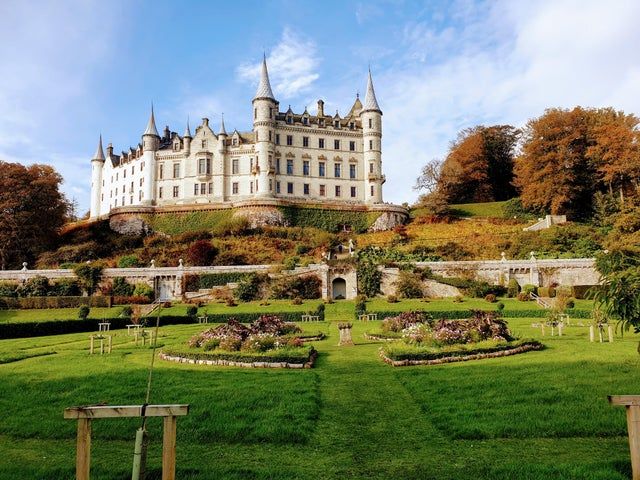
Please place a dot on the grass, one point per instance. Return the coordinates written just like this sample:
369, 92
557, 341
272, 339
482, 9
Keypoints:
7, 316
486, 209
533, 416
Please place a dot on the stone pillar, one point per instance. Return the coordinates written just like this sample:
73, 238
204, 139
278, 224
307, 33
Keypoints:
345, 334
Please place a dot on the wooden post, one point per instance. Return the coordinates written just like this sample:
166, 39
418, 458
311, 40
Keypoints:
91, 345
110, 342
610, 331
169, 449
600, 333
560, 329
101, 345
542, 328
592, 336
552, 329
83, 449
632, 404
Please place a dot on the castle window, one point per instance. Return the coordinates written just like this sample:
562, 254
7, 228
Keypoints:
210, 188
290, 188
131, 188
102, 197
372, 190
277, 139
337, 170
270, 112
306, 189
322, 191
133, 169
371, 167
277, 165
256, 186
115, 203
336, 123
176, 191
370, 144
352, 146
130, 199
351, 126
289, 140
321, 143
204, 144
353, 192
250, 187
124, 173
270, 185
289, 167
305, 167
289, 119
234, 141
195, 189
255, 113
370, 123
269, 135
234, 166
305, 121
352, 171
116, 191
321, 122
176, 146
305, 141
116, 177
160, 192
321, 169
338, 190
336, 144
140, 195
234, 188
203, 189
141, 181
176, 170
204, 166
161, 171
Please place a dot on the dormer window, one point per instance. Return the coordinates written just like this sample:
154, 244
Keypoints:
289, 119
321, 122
305, 121
336, 123
204, 144
234, 142
176, 147
351, 126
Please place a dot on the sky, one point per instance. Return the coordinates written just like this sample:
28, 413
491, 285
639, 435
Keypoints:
74, 69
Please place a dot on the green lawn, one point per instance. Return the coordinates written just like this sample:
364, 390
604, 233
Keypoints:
54, 314
539, 415
487, 209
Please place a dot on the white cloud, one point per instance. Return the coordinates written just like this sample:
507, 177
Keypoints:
293, 65
505, 63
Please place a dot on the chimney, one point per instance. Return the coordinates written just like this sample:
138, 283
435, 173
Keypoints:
205, 121
320, 108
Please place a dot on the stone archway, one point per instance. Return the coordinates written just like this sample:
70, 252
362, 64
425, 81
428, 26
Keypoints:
338, 288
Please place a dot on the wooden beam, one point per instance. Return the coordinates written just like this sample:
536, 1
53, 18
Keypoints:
624, 400
83, 449
112, 411
169, 449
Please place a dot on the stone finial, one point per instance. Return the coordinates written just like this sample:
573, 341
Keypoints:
180, 265
532, 256
503, 256
24, 266
153, 264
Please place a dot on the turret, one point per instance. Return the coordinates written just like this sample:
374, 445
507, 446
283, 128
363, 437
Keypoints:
97, 163
222, 137
150, 144
371, 117
150, 137
264, 114
186, 138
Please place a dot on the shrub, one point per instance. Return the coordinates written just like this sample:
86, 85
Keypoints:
482, 289
320, 312
37, 286
500, 306
392, 299
128, 261
192, 311
83, 312
302, 249
8, 289
192, 236
89, 276
296, 301
303, 286
230, 302
528, 288
231, 227
201, 252
409, 285
126, 311
369, 278
491, 298
361, 305
458, 299
249, 289
121, 288
523, 297
513, 288
571, 303
548, 292
131, 300
143, 290
404, 320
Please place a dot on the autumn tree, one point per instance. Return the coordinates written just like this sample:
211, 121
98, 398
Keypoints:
32, 209
478, 166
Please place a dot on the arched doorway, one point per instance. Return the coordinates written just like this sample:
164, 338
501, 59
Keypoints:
339, 288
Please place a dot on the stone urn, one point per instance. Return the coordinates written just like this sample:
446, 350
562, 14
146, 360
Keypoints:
345, 334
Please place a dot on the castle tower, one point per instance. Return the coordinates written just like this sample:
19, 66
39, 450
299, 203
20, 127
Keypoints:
371, 117
264, 115
150, 144
186, 138
222, 150
97, 163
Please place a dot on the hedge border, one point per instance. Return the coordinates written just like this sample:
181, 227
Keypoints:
231, 359
462, 314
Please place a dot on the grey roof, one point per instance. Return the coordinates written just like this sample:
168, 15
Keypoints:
222, 129
187, 132
264, 87
370, 101
99, 155
151, 126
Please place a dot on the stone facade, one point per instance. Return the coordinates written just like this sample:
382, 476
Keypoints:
296, 157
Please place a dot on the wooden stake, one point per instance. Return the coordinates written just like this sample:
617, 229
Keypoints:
592, 336
101, 346
610, 331
600, 334
91, 345
542, 328
83, 449
110, 342
169, 449
560, 329
633, 424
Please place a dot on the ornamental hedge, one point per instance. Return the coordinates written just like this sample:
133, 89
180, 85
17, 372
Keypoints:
282, 355
328, 220
461, 314
54, 302
193, 283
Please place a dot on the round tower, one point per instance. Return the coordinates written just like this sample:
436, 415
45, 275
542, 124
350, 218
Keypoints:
371, 117
97, 164
264, 121
186, 138
150, 144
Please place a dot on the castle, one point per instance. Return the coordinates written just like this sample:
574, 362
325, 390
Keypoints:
287, 158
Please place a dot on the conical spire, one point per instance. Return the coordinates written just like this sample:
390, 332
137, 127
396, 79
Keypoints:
264, 87
370, 101
151, 126
187, 132
99, 155
222, 129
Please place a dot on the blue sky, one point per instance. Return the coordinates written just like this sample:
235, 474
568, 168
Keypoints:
72, 69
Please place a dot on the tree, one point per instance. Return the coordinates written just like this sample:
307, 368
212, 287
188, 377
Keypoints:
32, 210
201, 252
478, 167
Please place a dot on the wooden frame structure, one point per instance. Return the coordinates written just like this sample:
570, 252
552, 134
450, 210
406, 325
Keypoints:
85, 415
632, 404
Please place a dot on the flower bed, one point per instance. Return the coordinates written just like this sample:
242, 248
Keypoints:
424, 341
267, 342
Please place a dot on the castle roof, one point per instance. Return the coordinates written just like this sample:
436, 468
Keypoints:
370, 101
222, 129
99, 155
151, 126
264, 87
187, 132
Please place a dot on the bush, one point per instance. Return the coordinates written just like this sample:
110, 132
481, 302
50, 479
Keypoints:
131, 300
571, 303
361, 305
369, 278
126, 311
143, 290
392, 299
37, 286
83, 312
89, 276
500, 306
482, 289
65, 287
8, 289
409, 285
320, 312
304, 286
547, 292
121, 288
491, 298
250, 288
128, 261
302, 249
55, 302
528, 288
192, 311
201, 252
523, 297
231, 227
296, 301
404, 320
513, 288
458, 299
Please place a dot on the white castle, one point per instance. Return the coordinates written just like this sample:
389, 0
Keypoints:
288, 157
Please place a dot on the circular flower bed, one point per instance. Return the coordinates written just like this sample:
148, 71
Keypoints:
421, 340
267, 342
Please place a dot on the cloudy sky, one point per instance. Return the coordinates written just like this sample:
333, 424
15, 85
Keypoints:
73, 69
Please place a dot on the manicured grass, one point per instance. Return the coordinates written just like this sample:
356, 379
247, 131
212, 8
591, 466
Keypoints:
487, 209
538, 415
44, 314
